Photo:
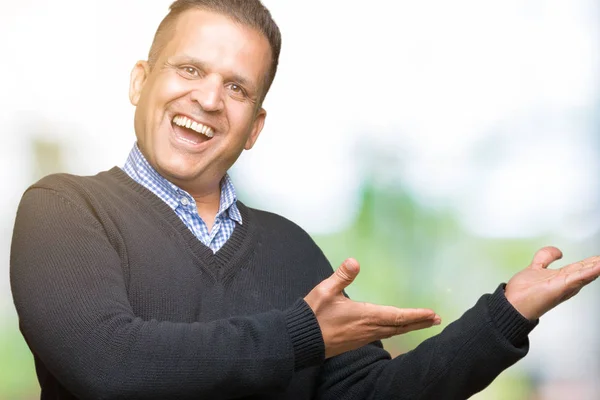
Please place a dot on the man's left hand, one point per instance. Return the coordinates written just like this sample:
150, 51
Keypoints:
537, 289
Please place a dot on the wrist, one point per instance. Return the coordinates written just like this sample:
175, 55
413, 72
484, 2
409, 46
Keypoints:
305, 335
509, 321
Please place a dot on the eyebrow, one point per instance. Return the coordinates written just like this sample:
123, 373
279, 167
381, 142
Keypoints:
204, 66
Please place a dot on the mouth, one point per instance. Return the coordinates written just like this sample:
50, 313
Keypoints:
190, 131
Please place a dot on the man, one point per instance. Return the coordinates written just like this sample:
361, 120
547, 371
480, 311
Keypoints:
154, 282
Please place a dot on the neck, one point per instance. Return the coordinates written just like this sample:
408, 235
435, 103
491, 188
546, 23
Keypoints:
208, 201
208, 207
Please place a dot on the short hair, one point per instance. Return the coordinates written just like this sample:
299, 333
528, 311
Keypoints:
251, 13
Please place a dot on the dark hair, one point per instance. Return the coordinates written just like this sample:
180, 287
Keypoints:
251, 13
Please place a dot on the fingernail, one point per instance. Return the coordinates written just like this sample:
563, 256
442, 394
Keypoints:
351, 265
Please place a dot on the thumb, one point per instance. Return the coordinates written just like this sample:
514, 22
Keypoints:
344, 275
545, 256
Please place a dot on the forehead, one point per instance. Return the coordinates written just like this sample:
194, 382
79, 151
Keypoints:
220, 42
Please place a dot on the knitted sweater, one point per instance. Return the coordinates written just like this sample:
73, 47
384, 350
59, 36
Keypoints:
118, 300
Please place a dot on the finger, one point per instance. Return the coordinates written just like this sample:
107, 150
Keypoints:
389, 331
393, 316
343, 276
581, 273
545, 256
583, 264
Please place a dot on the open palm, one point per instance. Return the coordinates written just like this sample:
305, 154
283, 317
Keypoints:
537, 289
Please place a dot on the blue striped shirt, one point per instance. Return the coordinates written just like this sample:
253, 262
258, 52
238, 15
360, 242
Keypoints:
184, 205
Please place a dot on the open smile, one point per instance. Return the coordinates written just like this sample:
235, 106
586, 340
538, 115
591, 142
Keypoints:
185, 122
191, 132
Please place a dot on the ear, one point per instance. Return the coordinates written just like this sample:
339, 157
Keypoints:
257, 126
139, 76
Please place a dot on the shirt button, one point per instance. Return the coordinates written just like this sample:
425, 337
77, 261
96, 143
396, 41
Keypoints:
184, 201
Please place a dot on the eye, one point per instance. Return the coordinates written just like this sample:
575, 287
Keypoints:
191, 71
236, 89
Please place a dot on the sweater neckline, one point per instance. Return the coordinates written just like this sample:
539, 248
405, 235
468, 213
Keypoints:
221, 265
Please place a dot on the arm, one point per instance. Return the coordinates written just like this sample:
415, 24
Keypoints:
460, 361
469, 354
71, 297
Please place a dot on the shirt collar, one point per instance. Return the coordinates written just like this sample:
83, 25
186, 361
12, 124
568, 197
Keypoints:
140, 170
229, 200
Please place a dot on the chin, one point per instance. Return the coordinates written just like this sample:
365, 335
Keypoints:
174, 170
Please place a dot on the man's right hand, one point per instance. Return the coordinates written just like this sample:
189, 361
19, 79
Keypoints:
347, 325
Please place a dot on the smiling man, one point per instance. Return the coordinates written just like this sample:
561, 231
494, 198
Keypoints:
199, 100
154, 282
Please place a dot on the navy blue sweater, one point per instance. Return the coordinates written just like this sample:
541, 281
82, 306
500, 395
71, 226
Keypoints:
118, 300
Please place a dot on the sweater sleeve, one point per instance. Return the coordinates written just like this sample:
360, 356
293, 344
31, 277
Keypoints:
70, 294
461, 360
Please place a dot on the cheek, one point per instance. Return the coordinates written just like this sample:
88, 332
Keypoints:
168, 88
241, 117
156, 101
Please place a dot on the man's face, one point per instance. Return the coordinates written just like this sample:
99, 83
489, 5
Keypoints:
208, 78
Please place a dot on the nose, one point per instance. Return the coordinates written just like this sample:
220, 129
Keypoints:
209, 93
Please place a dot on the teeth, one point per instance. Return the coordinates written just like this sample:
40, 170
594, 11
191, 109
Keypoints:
180, 120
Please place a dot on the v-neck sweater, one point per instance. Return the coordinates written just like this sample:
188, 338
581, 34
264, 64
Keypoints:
118, 299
